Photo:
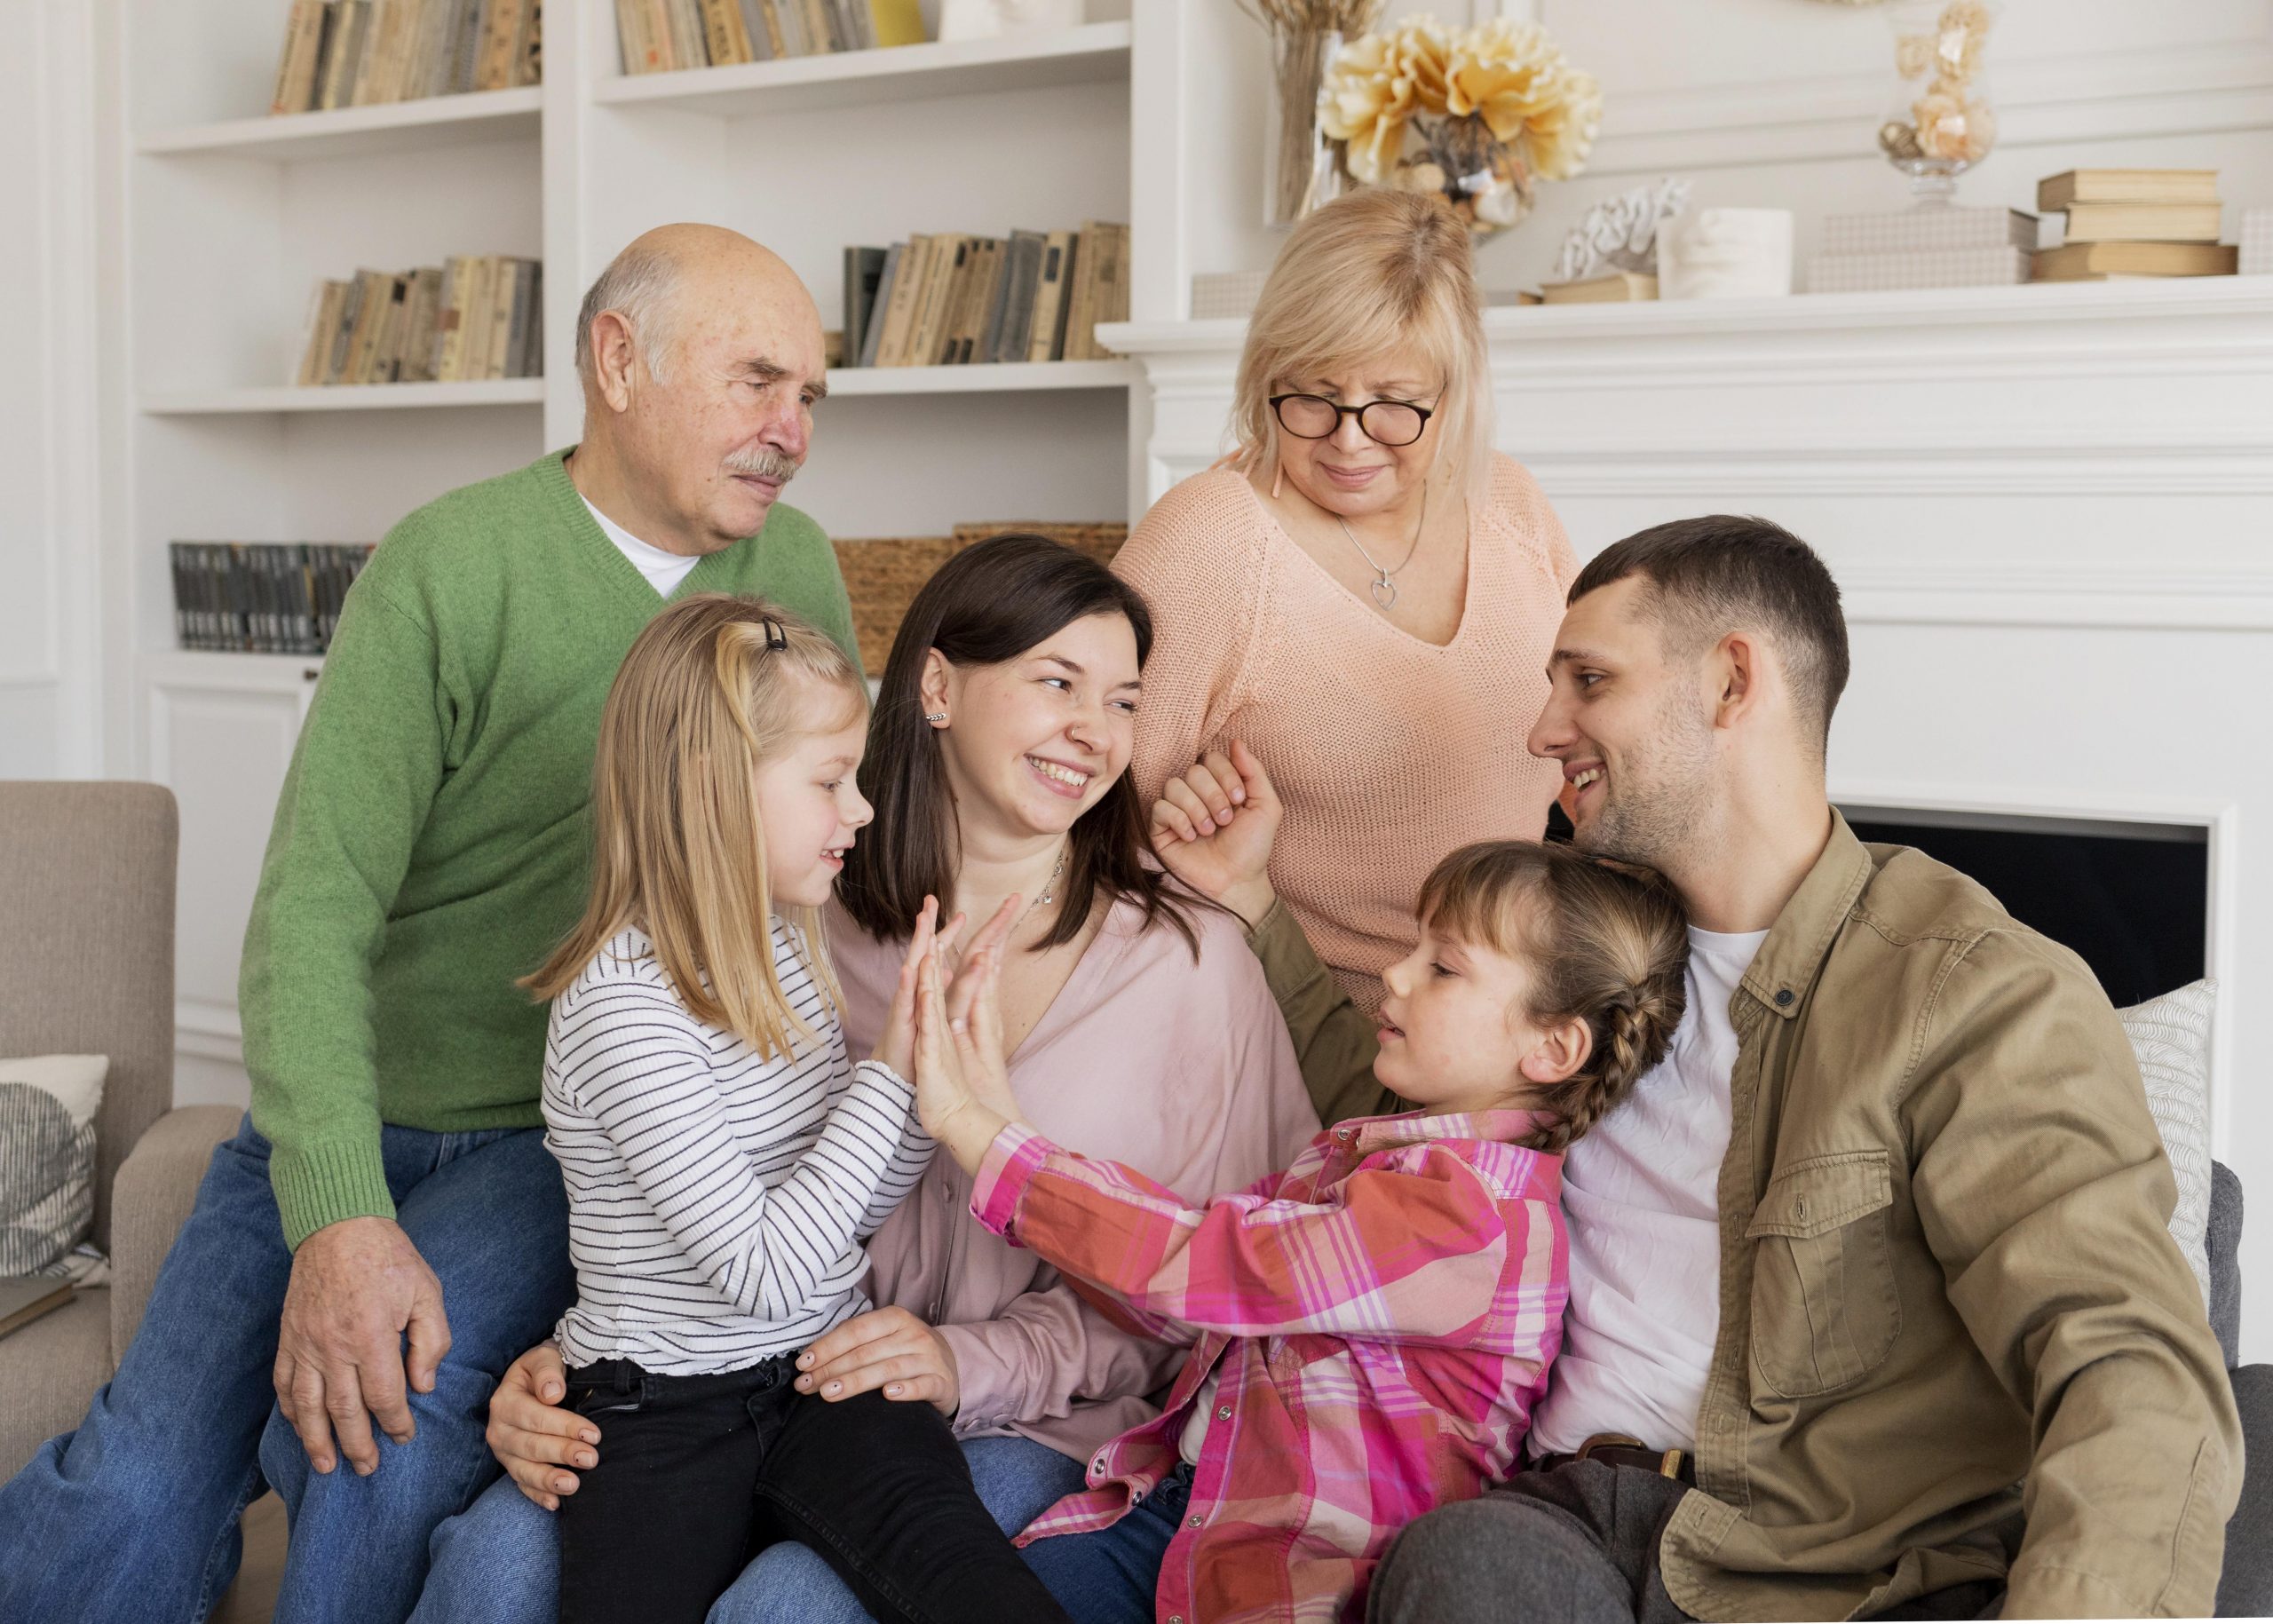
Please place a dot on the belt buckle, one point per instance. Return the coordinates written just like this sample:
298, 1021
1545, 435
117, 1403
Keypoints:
1607, 1440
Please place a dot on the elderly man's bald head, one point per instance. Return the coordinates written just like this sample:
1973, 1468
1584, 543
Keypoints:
662, 273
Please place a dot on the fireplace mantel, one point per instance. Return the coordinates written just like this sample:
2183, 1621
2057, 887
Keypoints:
2084, 419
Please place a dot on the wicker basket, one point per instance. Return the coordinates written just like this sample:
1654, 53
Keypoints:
883, 575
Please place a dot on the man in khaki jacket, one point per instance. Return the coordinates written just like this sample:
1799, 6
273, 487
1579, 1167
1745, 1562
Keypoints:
1874, 1310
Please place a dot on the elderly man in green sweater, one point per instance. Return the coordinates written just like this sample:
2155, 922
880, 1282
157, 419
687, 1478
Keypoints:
387, 1230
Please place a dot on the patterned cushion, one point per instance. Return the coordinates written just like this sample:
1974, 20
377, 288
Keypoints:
2171, 1036
47, 1157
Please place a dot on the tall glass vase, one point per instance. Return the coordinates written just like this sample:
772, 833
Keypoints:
1305, 164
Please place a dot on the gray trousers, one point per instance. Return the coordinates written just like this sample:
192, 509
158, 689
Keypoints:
1579, 1545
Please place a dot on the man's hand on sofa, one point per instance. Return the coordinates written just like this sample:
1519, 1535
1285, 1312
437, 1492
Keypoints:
532, 1435
357, 1285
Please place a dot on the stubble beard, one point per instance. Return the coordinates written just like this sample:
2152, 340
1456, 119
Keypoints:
1656, 810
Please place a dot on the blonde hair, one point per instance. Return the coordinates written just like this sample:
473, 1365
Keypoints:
1606, 943
1370, 274
713, 688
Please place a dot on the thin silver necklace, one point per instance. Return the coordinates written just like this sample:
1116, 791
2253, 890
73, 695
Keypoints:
1384, 584
1048, 891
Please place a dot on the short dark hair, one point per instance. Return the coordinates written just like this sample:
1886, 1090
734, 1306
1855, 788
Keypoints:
1723, 572
989, 604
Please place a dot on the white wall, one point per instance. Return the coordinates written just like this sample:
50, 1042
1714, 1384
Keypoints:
49, 673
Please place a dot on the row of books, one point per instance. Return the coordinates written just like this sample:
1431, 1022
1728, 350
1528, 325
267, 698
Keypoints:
478, 316
663, 35
951, 300
262, 597
357, 53
2117, 223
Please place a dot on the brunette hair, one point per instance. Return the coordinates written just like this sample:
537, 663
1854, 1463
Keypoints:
713, 688
1710, 576
989, 604
1367, 274
1606, 944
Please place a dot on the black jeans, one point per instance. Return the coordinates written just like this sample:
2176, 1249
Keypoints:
698, 1474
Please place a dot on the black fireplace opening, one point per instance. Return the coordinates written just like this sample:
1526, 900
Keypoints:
2130, 899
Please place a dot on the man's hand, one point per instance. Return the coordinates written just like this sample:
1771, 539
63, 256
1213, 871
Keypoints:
1213, 827
357, 1285
888, 1348
532, 1435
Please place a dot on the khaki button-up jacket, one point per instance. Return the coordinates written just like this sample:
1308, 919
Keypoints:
1956, 1340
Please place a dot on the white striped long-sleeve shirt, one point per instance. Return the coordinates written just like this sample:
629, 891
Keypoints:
717, 1200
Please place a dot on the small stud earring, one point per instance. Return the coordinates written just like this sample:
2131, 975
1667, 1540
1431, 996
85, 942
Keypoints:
935, 716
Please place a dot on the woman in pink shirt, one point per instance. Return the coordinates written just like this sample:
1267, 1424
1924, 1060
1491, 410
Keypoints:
1138, 1024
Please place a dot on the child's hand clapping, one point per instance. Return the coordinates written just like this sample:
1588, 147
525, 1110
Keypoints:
963, 1084
896, 1047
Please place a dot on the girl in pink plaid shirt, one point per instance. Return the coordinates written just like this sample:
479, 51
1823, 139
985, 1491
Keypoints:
1370, 1328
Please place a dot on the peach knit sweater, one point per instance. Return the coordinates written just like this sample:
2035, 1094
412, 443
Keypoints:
1388, 751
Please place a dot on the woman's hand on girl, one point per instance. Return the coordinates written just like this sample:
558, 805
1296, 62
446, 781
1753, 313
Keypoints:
1213, 827
888, 1348
532, 1434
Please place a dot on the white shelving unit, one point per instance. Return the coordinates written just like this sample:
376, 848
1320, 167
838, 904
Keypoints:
229, 217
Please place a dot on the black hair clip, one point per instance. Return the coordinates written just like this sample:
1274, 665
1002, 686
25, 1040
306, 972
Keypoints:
775, 637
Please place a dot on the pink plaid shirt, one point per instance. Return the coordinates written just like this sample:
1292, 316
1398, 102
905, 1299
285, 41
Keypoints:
1383, 1314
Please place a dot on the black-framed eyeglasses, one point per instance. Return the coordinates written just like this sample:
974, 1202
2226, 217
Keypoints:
1385, 423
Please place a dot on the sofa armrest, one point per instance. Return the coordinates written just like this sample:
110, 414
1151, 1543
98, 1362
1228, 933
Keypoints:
156, 1186
2245, 1587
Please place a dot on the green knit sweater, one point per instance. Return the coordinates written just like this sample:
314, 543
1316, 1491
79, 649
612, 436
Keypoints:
432, 841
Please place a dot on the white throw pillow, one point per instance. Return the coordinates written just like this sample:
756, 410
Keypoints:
2171, 1036
47, 1157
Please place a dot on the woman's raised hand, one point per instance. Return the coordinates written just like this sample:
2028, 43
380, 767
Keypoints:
1213, 827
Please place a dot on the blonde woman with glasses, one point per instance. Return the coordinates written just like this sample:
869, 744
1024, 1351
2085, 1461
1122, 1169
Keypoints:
1364, 592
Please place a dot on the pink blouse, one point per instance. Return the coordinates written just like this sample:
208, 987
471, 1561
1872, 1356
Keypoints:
1182, 1070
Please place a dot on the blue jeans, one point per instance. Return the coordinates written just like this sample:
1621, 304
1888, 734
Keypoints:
134, 1515
500, 1562
1109, 1577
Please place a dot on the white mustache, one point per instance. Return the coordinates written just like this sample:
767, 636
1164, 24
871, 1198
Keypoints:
762, 465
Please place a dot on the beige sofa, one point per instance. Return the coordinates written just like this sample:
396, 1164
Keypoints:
87, 967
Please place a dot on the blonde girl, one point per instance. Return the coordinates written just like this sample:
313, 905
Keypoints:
723, 1157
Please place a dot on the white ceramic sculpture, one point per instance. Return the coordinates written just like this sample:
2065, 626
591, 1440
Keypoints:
1621, 233
1726, 254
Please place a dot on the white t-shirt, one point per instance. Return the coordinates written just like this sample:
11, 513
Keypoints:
664, 570
1641, 1193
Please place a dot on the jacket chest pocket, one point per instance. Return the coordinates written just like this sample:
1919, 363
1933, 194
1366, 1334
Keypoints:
1825, 1312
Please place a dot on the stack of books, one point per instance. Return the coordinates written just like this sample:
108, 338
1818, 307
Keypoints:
261, 598
1934, 246
1616, 288
660, 37
2126, 223
355, 53
479, 316
951, 300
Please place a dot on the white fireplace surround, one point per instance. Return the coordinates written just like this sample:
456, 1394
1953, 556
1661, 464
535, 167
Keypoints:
2046, 507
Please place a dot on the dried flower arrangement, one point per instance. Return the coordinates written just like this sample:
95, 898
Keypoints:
1490, 110
1304, 36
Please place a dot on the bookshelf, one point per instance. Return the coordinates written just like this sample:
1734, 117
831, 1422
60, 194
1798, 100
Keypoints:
227, 218
402, 126
1094, 54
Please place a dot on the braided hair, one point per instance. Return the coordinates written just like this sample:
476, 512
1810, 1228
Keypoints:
1607, 943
